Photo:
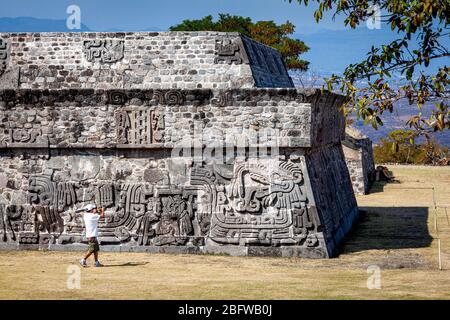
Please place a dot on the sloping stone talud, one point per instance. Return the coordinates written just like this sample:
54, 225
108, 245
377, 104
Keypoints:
359, 158
227, 167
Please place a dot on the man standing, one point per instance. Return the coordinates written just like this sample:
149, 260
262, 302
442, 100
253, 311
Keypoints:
91, 216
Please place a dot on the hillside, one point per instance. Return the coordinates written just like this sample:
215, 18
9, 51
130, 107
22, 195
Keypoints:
29, 24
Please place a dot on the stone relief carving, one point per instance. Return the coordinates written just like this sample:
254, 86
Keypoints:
117, 97
245, 204
18, 223
176, 213
122, 126
28, 238
104, 51
138, 214
8, 215
145, 231
230, 51
49, 220
171, 97
228, 204
3, 55
43, 191
30, 224
260, 205
24, 138
139, 126
223, 99
157, 126
105, 195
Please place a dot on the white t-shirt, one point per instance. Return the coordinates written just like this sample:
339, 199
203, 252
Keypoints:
91, 223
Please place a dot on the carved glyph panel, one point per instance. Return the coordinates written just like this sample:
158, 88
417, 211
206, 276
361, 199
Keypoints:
104, 51
230, 51
257, 204
139, 126
3, 55
24, 138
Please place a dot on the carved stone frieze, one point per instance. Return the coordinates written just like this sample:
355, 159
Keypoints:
24, 138
262, 204
3, 55
230, 51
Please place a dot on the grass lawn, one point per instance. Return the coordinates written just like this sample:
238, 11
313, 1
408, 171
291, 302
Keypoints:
396, 233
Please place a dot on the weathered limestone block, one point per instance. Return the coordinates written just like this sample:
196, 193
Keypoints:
358, 154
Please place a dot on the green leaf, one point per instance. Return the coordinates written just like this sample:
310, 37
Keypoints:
330, 86
379, 120
409, 73
374, 124
395, 147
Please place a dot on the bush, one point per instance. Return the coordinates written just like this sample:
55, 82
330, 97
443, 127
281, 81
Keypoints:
399, 147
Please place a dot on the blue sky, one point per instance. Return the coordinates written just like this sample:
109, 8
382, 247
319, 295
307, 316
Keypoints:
142, 14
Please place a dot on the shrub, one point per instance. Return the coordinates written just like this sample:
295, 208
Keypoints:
399, 147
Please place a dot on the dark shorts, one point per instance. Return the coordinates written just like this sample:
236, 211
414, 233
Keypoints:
93, 245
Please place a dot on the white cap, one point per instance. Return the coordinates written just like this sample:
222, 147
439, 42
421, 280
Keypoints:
87, 207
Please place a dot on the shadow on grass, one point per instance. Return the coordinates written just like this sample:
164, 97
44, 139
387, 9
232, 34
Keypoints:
378, 186
127, 264
389, 228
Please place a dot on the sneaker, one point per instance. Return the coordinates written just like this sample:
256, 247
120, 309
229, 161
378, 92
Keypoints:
98, 264
83, 263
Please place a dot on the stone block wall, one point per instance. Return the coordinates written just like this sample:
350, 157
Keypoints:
177, 170
132, 60
358, 154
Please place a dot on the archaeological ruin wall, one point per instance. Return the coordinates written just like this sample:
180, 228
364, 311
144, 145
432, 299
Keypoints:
224, 167
358, 154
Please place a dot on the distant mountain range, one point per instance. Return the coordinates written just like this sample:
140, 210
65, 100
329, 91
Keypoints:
29, 24
397, 120
392, 121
